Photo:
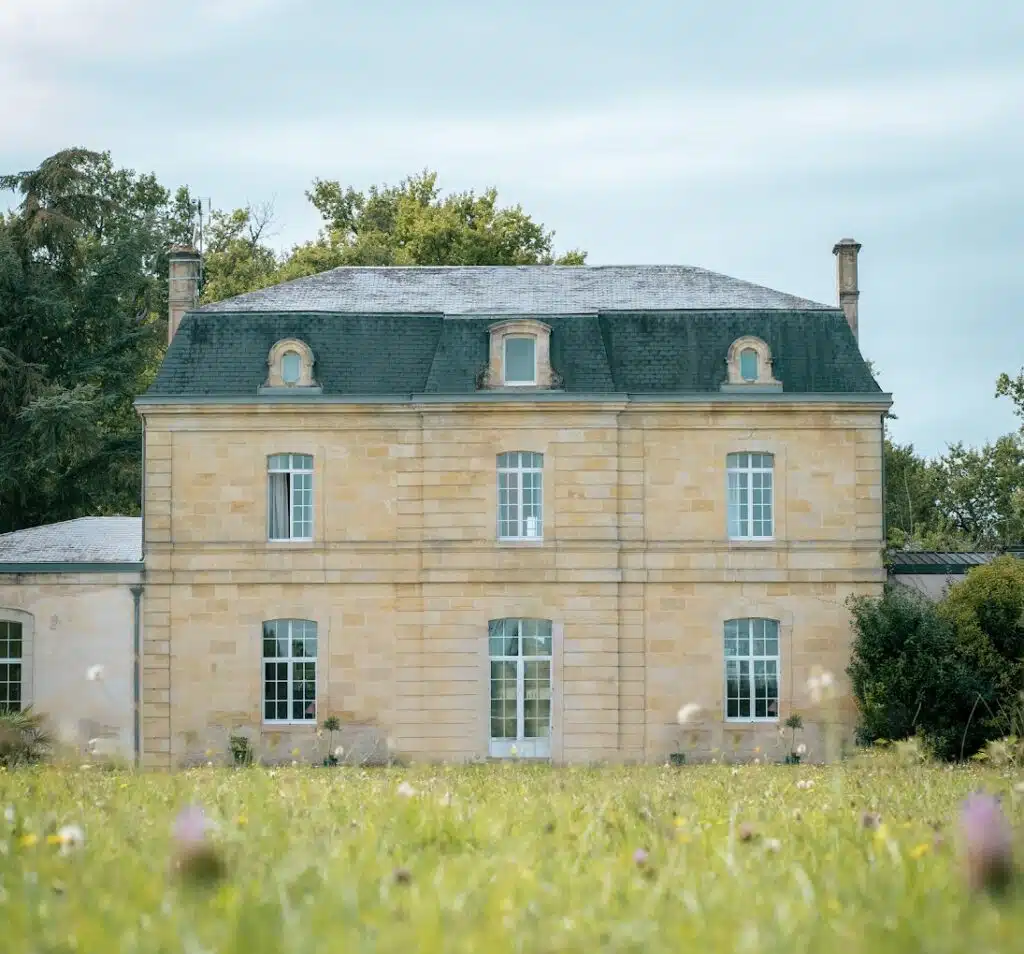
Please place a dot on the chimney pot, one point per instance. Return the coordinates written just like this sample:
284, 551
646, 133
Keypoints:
182, 285
848, 292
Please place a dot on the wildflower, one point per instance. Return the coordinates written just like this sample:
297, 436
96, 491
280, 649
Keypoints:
757, 761
920, 850
688, 713
196, 859
70, 838
801, 749
870, 820
820, 685
94, 673
735, 771
773, 845
640, 857
27, 841
747, 832
9, 814
402, 876
513, 751
339, 751
406, 790
446, 799
805, 784
986, 843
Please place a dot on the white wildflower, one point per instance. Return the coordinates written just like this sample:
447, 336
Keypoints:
820, 685
801, 749
687, 713
735, 771
71, 838
94, 673
446, 799
757, 761
805, 784
773, 845
339, 751
406, 790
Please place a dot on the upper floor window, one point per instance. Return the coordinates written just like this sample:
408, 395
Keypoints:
520, 496
290, 365
520, 660
289, 670
749, 491
749, 362
751, 670
11, 644
290, 497
520, 360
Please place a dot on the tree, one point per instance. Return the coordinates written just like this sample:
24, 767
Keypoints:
1013, 388
83, 291
235, 260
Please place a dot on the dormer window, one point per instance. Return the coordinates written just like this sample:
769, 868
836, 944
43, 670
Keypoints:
519, 355
749, 366
290, 367
520, 364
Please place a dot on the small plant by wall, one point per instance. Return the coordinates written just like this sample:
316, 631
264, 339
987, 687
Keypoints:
241, 750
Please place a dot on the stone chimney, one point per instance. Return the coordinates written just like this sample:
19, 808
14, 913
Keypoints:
182, 285
845, 251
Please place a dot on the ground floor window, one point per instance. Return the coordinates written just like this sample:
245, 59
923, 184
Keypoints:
751, 670
289, 670
520, 659
10, 665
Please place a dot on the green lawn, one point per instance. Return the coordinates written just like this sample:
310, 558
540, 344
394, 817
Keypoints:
504, 858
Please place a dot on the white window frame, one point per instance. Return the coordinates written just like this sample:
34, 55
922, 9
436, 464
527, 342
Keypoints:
289, 660
504, 361
746, 629
512, 470
7, 660
535, 747
299, 471
740, 493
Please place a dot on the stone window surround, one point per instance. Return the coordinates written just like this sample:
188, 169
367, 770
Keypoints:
27, 620
274, 368
519, 328
765, 378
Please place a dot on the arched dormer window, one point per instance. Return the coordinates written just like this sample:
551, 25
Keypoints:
749, 365
519, 355
290, 365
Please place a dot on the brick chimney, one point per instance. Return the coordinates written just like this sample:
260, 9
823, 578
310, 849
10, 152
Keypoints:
845, 251
182, 285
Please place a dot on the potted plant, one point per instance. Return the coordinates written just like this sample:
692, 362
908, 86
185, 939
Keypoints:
794, 723
331, 725
241, 750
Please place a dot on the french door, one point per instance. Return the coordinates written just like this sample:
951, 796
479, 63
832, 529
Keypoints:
520, 663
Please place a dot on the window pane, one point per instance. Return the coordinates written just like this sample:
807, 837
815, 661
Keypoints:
748, 364
503, 700
738, 503
302, 505
536, 637
291, 367
519, 360
278, 487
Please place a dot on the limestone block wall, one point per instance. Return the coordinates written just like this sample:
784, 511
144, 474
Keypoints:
71, 622
635, 569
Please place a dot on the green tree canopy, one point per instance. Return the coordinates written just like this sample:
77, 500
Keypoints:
83, 291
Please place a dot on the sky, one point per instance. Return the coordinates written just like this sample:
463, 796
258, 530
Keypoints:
746, 138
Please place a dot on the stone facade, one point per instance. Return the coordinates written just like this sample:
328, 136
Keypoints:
72, 622
635, 571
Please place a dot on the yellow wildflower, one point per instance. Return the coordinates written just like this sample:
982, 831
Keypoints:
919, 850
27, 841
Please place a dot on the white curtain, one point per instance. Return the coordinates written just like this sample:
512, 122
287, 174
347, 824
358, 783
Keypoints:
278, 507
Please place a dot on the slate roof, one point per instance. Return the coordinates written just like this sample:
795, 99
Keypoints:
512, 290
85, 540
940, 562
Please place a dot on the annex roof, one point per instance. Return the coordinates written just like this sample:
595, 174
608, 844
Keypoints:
86, 540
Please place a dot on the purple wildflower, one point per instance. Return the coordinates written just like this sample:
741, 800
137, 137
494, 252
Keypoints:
987, 843
197, 859
640, 857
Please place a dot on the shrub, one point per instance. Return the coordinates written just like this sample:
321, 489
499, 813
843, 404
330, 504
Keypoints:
24, 738
241, 750
912, 675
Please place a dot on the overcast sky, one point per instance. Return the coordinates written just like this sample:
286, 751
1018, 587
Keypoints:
742, 137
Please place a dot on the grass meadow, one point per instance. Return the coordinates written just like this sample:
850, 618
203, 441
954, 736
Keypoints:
510, 857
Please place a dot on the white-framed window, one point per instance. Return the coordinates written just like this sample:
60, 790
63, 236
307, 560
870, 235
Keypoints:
520, 360
520, 496
289, 670
290, 497
11, 652
520, 673
751, 670
749, 491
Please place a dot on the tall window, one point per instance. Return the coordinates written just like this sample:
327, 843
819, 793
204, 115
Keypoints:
289, 670
751, 670
520, 651
520, 360
750, 496
10, 666
520, 496
290, 497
